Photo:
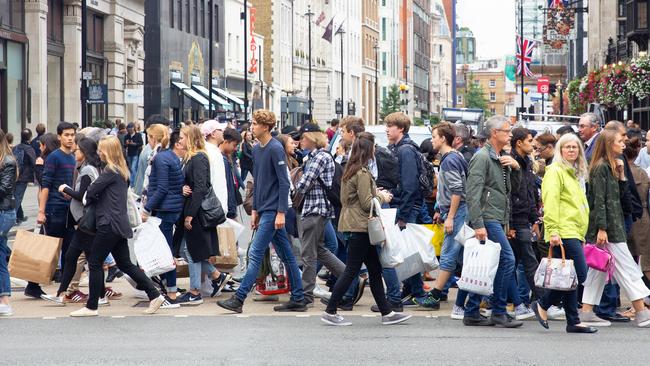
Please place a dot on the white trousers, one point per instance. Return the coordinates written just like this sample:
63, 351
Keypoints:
626, 273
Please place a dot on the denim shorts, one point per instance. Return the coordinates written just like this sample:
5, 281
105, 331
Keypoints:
450, 254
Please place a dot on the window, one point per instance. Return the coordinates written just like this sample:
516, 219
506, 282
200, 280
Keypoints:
383, 29
196, 17
493, 97
493, 83
95, 35
55, 21
477, 82
171, 13
180, 14
493, 111
459, 99
12, 14
202, 16
215, 24
188, 21
383, 62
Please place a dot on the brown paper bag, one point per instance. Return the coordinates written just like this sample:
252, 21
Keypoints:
34, 256
227, 248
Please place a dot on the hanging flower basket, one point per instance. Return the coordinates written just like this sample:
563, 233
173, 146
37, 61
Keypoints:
576, 104
638, 82
612, 89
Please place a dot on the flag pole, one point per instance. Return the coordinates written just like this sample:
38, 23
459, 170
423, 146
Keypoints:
521, 49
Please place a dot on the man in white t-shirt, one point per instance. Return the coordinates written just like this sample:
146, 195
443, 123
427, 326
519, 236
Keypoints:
643, 160
213, 132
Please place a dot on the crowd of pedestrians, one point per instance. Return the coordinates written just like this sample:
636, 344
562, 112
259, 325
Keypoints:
526, 191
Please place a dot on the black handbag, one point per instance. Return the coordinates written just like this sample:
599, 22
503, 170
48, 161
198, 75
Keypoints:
88, 222
211, 213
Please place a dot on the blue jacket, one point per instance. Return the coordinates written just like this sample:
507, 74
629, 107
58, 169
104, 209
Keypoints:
165, 190
407, 196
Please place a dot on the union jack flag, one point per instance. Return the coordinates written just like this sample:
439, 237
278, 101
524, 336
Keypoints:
557, 3
526, 57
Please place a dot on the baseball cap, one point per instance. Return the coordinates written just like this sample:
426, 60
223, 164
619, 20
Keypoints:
211, 125
309, 127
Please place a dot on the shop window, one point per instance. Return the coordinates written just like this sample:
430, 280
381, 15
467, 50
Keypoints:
15, 88
12, 14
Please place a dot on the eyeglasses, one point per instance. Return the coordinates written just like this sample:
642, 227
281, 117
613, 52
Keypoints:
540, 149
504, 130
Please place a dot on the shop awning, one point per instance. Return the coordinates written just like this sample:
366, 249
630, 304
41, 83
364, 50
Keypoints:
192, 95
230, 97
215, 97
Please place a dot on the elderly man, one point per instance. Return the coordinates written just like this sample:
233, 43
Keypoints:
588, 129
493, 176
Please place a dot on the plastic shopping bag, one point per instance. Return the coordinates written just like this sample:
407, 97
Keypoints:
390, 252
151, 249
419, 256
480, 263
438, 236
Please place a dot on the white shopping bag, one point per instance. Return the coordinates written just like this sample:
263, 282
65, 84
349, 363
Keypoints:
465, 233
417, 251
151, 249
237, 227
480, 263
390, 251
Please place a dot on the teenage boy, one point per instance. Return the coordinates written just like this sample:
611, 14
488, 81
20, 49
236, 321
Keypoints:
53, 206
231, 139
213, 132
270, 203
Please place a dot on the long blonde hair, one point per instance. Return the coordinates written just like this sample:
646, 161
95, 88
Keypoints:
113, 156
580, 165
194, 143
160, 133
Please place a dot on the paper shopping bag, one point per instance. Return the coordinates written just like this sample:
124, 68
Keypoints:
228, 257
34, 257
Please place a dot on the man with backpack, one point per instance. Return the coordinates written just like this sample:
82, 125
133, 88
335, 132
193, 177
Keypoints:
26, 158
408, 196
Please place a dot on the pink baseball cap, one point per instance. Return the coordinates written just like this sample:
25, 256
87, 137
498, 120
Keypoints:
211, 125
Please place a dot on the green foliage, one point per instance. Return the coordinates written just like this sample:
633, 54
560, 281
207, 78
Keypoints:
474, 95
392, 102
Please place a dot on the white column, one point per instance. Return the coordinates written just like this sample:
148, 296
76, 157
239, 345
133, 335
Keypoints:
36, 29
72, 60
114, 54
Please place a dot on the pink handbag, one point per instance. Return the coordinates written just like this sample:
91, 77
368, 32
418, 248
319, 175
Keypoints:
600, 259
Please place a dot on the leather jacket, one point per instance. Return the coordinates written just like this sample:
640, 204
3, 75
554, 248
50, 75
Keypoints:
8, 183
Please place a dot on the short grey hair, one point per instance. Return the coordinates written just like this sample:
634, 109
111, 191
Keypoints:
462, 131
495, 123
591, 117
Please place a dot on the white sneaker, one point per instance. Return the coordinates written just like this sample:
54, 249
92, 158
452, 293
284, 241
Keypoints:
103, 302
592, 320
555, 313
334, 319
84, 312
321, 293
458, 312
17, 283
6, 310
155, 304
54, 299
523, 312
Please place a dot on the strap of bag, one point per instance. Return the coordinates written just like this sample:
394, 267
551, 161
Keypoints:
374, 208
550, 253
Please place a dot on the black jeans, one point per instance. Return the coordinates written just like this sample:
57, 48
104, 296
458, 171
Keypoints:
81, 242
108, 242
525, 254
360, 251
573, 250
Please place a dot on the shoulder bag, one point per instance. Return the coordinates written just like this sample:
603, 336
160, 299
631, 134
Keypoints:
376, 231
211, 213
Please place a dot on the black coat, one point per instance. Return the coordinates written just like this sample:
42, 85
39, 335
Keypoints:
7, 184
524, 200
201, 243
108, 192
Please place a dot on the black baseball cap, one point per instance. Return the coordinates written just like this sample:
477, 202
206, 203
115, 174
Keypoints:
308, 127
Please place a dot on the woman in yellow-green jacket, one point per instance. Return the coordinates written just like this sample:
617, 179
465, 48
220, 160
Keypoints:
566, 218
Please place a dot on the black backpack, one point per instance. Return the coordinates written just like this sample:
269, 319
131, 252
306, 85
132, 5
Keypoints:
387, 168
426, 173
334, 193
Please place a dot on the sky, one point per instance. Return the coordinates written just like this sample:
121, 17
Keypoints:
493, 25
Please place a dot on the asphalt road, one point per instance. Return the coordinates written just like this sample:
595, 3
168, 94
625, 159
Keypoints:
290, 340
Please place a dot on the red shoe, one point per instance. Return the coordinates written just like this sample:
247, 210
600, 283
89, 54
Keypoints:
75, 297
112, 294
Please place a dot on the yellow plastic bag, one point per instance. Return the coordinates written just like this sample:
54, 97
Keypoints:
438, 236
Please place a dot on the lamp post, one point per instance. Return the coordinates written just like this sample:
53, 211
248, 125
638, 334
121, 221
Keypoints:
559, 90
341, 32
210, 56
309, 14
376, 47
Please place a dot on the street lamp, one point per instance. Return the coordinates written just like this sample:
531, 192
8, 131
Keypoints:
376, 47
559, 90
447, 94
309, 14
341, 32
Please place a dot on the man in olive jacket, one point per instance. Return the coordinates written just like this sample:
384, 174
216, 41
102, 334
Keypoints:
493, 175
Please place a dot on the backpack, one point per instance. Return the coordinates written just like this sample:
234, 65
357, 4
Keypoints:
19, 154
387, 168
426, 174
334, 193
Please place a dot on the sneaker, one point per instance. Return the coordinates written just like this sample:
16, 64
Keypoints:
427, 302
230, 287
523, 312
219, 283
59, 300
642, 318
344, 304
298, 306
111, 294
590, 319
555, 313
505, 321
190, 299
170, 304
321, 293
407, 302
334, 319
83, 282
477, 320
6, 310
84, 312
360, 289
34, 291
457, 312
155, 304
113, 273
395, 318
233, 304
324, 275
398, 308
75, 297
103, 301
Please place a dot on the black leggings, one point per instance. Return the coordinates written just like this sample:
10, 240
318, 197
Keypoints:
108, 242
81, 242
360, 251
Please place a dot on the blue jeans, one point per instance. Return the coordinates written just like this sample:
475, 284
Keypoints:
19, 193
573, 250
168, 219
7, 221
196, 269
451, 249
504, 274
522, 284
266, 233
132, 161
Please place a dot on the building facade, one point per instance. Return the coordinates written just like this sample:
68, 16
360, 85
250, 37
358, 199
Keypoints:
13, 66
421, 57
465, 47
441, 60
489, 75
389, 41
370, 47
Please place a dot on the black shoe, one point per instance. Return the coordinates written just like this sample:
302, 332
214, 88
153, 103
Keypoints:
298, 306
57, 276
233, 304
219, 283
618, 318
577, 329
505, 322
477, 320
34, 291
113, 273
535, 307
360, 289
444, 297
325, 276
398, 308
344, 304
